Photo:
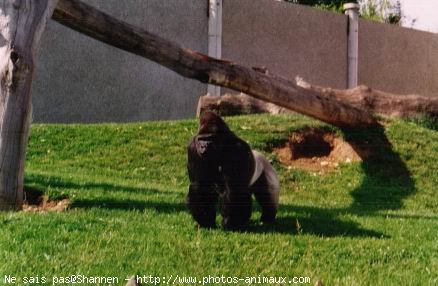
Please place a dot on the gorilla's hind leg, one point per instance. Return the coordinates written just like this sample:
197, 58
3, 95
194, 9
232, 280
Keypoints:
267, 197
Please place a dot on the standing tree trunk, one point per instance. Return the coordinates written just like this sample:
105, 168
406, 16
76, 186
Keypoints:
21, 25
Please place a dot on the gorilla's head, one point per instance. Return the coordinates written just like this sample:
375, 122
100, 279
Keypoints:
212, 134
212, 124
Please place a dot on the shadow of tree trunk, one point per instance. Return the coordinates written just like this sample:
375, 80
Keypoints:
387, 180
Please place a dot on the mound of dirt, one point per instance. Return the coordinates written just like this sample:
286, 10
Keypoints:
36, 201
318, 150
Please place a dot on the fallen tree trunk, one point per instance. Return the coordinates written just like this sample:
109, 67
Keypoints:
96, 24
21, 26
380, 102
361, 97
235, 104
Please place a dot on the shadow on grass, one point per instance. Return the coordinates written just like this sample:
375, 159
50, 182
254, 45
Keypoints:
314, 221
43, 183
162, 207
387, 179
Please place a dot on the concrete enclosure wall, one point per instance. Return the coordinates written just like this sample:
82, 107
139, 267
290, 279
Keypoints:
79, 79
398, 60
82, 80
288, 40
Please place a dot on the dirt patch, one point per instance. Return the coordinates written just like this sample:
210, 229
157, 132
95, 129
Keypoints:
318, 150
36, 201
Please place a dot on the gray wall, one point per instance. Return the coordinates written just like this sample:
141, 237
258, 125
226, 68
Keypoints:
288, 39
398, 60
81, 80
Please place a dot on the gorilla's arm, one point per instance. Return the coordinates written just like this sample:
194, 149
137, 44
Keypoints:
238, 165
202, 198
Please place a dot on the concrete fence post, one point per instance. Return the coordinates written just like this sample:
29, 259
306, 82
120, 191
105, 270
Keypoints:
215, 37
352, 11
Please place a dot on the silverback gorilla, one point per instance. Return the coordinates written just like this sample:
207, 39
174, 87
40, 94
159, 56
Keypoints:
222, 167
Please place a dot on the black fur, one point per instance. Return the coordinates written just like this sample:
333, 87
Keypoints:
220, 167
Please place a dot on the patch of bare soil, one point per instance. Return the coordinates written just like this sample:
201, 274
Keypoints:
318, 150
36, 201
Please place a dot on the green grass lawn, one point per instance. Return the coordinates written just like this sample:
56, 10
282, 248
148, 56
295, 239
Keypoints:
371, 223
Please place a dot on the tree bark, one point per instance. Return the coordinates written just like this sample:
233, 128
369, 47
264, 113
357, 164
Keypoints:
21, 25
235, 104
379, 102
260, 84
362, 97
